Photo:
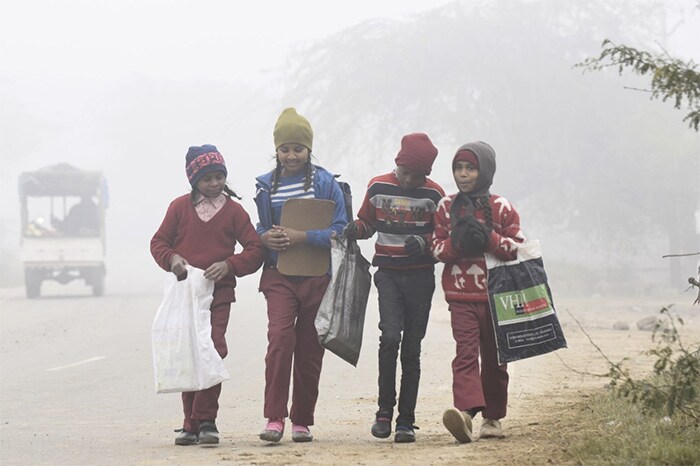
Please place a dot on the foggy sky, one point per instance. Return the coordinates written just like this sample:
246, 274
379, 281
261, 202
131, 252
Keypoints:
216, 65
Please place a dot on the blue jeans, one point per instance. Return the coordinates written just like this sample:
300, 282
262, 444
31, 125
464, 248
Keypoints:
404, 307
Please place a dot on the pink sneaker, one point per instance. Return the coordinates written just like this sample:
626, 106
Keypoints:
273, 430
301, 433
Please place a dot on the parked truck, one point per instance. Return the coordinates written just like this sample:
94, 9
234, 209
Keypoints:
63, 227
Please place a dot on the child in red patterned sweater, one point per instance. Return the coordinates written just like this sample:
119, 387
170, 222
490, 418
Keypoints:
202, 229
399, 206
467, 225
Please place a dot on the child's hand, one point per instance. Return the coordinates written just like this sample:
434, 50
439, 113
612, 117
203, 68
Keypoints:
275, 238
414, 245
178, 265
458, 232
294, 236
471, 235
479, 234
351, 231
217, 271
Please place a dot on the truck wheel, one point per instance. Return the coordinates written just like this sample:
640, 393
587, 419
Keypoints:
32, 284
98, 284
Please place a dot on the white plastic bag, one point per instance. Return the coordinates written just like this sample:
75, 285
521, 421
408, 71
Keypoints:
184, 357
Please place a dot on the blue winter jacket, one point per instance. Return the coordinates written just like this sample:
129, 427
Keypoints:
325, 187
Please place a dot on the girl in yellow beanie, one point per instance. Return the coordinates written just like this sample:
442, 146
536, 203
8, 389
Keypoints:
293, 301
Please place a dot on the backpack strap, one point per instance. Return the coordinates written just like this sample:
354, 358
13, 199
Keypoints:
347, 195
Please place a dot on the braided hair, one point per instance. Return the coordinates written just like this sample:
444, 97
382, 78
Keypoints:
485, 206
309, 174
308, 178
276, 175
464, 205
230, 192
227, 191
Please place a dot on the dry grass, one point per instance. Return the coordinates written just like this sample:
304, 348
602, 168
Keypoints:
611, 430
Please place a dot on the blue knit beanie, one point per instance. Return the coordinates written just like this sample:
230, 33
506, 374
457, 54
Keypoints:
201, 160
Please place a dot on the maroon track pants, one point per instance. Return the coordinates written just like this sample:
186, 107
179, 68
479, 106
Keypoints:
292, 305
484, 388
204, 404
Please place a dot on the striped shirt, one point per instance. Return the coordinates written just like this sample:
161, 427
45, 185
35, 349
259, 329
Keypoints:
396, 213
290, 187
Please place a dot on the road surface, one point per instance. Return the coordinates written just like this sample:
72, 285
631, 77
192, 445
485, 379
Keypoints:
76, 387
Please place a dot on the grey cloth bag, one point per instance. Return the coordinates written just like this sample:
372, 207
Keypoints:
341, 315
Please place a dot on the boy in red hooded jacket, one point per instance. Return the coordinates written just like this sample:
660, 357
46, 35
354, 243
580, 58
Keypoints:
467, 225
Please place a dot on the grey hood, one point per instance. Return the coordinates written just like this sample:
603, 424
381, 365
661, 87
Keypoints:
487, 166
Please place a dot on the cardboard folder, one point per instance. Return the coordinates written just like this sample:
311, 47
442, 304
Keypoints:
304, 259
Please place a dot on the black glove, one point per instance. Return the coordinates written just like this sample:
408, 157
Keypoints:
458, 232
415, 245
475, 238
351, 232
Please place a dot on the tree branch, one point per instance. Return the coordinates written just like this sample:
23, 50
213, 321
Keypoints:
649, 91
614, 366
681, 255
671, 78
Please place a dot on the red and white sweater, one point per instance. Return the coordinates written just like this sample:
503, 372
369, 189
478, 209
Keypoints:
464, 278
395, 213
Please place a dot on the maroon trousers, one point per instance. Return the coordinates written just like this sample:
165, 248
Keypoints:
292, 305
204, 404
483, 388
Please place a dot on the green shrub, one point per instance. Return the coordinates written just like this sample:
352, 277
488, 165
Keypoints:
675, 384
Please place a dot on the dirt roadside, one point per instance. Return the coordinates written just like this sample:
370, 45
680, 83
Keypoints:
543, 393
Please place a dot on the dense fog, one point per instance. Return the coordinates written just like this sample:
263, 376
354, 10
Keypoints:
606, 178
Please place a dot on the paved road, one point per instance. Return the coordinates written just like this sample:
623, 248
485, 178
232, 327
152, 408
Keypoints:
76, 387
77, 384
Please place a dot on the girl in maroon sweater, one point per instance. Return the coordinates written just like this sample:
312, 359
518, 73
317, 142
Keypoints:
201, 229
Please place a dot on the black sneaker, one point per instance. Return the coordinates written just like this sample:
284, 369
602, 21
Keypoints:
382, 425
185, 437
405, 434
208, 434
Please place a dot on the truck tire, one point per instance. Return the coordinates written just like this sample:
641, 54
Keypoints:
32, 283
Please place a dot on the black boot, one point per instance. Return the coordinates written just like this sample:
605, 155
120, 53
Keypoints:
208, 434
185, 437
382, 424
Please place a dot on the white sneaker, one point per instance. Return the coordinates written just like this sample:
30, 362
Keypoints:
459, 424
491, 428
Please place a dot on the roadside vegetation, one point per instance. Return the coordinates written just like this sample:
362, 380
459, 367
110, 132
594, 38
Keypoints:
614, 430
655, 420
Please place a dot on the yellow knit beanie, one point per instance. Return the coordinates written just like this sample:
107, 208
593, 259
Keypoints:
292, 128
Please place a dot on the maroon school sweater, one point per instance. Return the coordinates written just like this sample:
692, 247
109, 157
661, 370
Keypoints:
203, 243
